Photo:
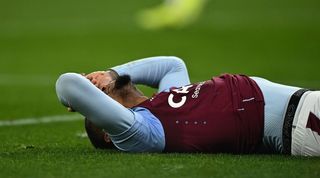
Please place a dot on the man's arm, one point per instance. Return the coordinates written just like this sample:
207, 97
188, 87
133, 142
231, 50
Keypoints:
78, 93
128, 129
161, 72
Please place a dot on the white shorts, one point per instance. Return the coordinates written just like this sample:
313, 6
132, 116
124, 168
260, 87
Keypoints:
306, 126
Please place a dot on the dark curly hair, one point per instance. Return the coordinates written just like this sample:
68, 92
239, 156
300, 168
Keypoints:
122, 81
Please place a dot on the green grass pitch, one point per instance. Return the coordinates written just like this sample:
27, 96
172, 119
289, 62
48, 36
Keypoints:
275, 39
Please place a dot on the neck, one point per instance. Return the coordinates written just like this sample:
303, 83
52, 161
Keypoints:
132, 101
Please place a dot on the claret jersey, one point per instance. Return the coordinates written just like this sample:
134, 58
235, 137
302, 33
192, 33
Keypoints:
224, 114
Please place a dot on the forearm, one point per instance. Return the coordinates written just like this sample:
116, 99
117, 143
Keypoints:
81, 95
158, 72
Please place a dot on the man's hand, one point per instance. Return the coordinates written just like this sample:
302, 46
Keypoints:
101, 79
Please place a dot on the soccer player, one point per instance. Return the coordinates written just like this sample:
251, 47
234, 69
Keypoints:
226, 114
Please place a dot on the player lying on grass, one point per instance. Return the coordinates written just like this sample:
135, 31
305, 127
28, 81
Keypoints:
226, 114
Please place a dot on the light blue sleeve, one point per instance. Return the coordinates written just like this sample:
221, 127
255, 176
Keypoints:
161, 72
145, 135
77, 92
133, 130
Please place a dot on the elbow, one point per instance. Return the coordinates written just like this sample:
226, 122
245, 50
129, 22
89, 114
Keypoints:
66, 83
65, 87
177, 63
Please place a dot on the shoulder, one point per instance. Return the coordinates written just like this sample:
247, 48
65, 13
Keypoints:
142, 111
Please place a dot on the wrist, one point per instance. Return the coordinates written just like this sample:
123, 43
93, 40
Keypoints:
114, 75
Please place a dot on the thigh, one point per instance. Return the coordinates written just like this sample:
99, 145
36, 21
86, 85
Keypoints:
276, 97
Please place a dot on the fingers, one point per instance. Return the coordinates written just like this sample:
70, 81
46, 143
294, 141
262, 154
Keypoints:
94, 81
95, 75
89, 77
108, 87
104, 88
98, 84
100, 79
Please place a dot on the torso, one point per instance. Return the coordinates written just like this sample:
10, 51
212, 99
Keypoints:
224, 114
